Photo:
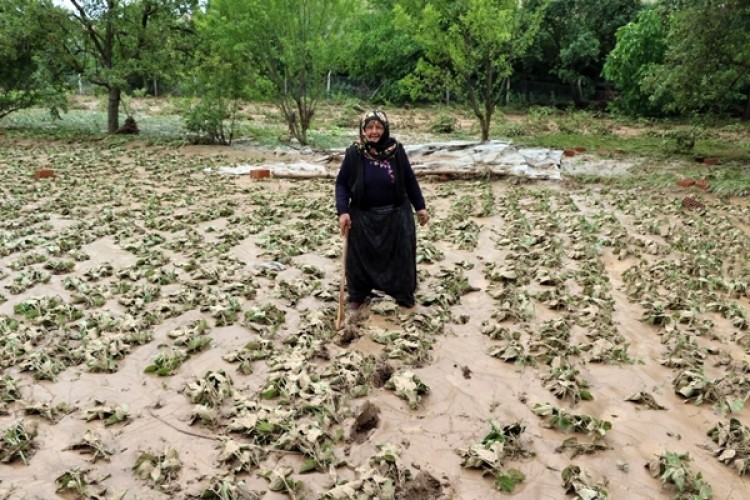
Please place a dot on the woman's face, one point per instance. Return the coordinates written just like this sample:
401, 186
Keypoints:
374, 131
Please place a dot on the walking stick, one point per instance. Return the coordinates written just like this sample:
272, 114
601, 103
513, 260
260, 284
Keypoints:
342, 301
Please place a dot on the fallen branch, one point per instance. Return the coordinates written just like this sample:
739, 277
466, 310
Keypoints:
169, 424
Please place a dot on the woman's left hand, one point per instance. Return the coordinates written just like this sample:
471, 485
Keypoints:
423, 217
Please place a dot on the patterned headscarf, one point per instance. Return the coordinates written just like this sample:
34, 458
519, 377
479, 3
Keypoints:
386, 146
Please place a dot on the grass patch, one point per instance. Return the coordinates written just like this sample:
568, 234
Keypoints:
597, 132
606, 145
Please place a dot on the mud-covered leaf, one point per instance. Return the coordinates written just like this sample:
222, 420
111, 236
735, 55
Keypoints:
408, 386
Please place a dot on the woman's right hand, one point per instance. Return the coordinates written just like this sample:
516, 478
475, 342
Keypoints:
345, 222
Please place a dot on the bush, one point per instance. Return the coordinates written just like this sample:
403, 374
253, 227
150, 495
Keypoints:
205, 121
444, 124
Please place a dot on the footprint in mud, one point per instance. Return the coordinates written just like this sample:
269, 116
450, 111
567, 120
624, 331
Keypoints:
381, 374
424, 485
367, 419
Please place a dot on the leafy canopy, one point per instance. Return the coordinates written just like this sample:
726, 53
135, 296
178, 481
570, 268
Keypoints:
707, 62
469, 48
293, 45
26, 78
113, 42
380, 54
640, 47
574, 40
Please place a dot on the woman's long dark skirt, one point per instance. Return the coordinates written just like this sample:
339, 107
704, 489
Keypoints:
382, 253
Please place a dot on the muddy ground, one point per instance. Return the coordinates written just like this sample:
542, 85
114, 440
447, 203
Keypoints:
544, 309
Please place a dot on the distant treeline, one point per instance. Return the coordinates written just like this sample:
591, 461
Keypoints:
668, 57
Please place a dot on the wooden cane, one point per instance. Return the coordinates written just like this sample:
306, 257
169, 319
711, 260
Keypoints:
342, 283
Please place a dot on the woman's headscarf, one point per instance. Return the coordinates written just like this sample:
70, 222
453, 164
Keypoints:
385, 148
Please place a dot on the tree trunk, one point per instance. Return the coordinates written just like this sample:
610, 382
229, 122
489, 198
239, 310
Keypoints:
746, 114
485, 125
113, 110
306, 113
576, 92
289, 110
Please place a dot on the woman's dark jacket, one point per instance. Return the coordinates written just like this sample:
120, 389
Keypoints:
372, 187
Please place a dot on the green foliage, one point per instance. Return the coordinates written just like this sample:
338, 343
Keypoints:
733, 438
17, 442
205, 120
500, 444
731, 181
640, 45
380, 54
574, 40
672, 469
469, 49
111, 44
444, 124
221, 75
684, 139
707, 59
560, 419
293, 46
82, 124
166, 363
26, 80
507, 480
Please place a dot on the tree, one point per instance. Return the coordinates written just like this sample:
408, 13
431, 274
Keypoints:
574, 40
25, 79
469, 48
109, 42
293, 44
640, 48
707, 61
380, 54
222, 73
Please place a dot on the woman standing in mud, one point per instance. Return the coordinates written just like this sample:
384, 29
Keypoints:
375, 191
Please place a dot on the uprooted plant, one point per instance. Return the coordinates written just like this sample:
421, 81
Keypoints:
673, 471
564, 381
408, 386
557, 418
500, 444
733, 438
81, 482
159, 469
17, 442
576, 482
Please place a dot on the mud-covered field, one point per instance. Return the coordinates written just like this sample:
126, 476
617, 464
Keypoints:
168, 333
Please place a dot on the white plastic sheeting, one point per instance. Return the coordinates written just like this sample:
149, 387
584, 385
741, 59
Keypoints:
496, 158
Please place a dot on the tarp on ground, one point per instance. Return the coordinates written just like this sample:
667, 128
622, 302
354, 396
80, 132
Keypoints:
496, 158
